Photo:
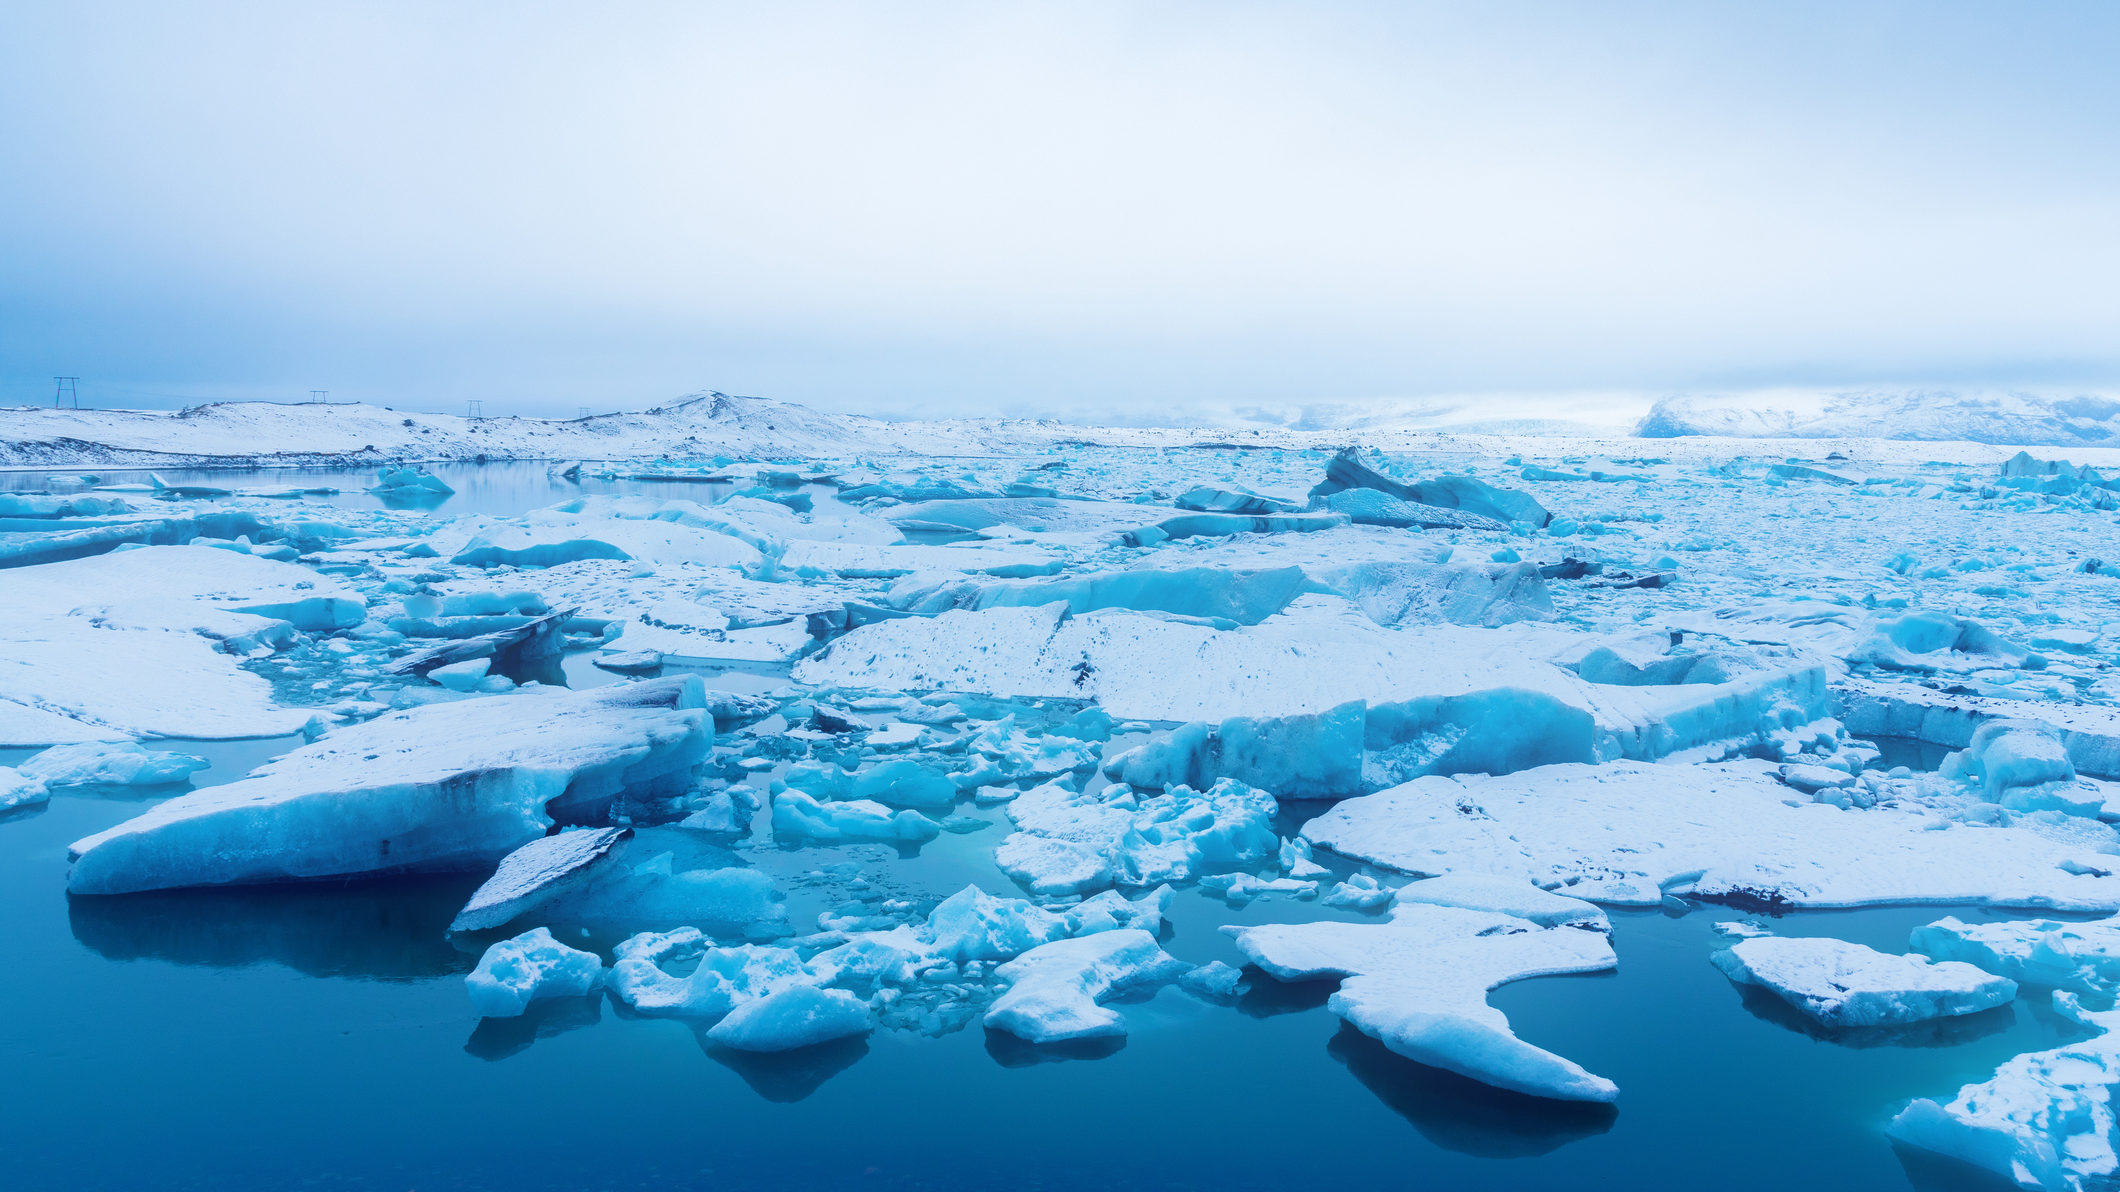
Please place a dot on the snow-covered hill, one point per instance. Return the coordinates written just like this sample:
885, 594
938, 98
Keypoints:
1982, 429
271, 433
1986, 416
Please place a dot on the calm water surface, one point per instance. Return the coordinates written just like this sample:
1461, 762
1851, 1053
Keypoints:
321, 1038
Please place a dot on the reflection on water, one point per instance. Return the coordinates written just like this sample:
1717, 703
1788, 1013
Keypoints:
1936, 1032
1012, 1052
499, 1038
789, 1076
1464, 1115
394, 930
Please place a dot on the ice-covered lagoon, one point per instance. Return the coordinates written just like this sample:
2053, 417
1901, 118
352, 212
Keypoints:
321, 1033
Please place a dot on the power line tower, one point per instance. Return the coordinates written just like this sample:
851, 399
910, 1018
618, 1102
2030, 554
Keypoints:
320, 397
474, 408
68, 396
584, 412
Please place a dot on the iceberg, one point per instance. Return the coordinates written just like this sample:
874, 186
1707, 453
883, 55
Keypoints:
449, 786
1296, 757
1072, 841
1398, 594
1628, 833
802, 1016
1418, 984
538, 872
799, 818
118, 763
2045, 1120
18, 791
1235, 595
1842, 984
1054, 989
515, 972
2078, 957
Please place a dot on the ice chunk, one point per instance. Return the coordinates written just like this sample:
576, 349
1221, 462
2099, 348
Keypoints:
1111, 911
2079, 957
1073, 841
723, 979
1369, 507
1626, 833
447, 786
1348, 472
797, 817
1295, 757
2090, 733
410, 483
547, 538
1933, 641
18, 790
1407, 593
1054, 988
903, 782
849, 560
1239, 596
2021, 765
1845, 984
538, 872
515, 972
2045, 1120
799, 1017
1418, 984
1360, 892
120, 763
974, 925
149, 643
1208, 499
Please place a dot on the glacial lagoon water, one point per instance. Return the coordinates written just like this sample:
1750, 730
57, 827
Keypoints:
321, 1038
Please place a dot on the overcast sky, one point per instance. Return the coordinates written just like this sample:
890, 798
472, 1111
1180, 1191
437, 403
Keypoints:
1071, 208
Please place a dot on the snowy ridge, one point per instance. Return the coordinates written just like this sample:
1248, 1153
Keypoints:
1879, 428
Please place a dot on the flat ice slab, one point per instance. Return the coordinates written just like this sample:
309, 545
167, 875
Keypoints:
443, 787
1627, 833
1418, 984
1845, 984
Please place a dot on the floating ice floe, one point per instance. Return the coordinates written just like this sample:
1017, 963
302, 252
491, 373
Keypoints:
515, 972
18, 790
455, 785
1418, 983
1070, 841
1398, 594
1629, 833
148, 642
539, 871
1054, 989
1231, 595
1843, 984
2045, 1119
2078, 957
118, 763
2090, 733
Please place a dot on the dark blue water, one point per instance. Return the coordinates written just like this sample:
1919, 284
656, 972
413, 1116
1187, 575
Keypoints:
320, 1038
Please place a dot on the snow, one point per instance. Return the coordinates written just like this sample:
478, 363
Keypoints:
148, 642
802, 1016
1843, 984
448, 786
1054, 989
515, 972
119, 763
1070, 841
2078, 957
2045, 1120
1418, 984
1628, 833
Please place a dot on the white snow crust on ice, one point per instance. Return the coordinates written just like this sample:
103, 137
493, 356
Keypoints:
1054, 989
515, 972
447, 786
1844, 984
1418, 983
1627, 833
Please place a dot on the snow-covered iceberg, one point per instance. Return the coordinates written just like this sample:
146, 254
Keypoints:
447, 786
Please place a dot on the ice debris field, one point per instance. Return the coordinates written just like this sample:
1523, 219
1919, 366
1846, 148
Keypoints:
1060, 743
